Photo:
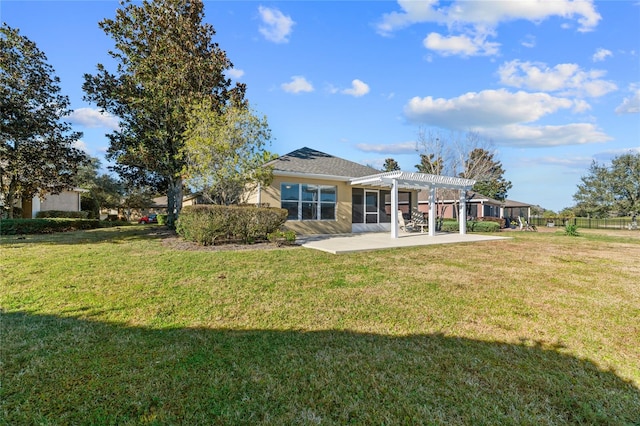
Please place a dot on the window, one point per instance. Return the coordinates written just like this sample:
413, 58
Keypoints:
308, 202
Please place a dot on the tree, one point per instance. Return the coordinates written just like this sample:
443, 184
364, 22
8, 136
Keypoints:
432, 152
105, 191
430, 165
37, 153
488, 173
469, 157
167, 61
225, 152
614, 189
390, 165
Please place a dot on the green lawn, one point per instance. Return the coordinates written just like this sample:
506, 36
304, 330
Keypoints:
110, 326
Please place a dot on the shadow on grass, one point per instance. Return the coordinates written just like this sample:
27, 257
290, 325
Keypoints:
114, 234
75, 371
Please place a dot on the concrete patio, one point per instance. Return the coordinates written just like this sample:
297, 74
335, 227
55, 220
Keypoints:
348, 243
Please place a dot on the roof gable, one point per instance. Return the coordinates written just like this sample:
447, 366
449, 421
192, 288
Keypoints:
309, 161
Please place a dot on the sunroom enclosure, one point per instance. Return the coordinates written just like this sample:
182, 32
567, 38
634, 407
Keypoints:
399, 180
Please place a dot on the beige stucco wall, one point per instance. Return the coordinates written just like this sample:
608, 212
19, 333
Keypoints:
65, 201
342, 225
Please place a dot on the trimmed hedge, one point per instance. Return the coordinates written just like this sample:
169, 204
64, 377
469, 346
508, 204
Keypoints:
49, 226
208, 224
472, 226
49, 214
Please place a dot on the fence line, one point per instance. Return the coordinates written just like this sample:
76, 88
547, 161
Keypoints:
586, 222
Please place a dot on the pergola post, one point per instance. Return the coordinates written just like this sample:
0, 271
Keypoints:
394, 208
412, 181
462, 214
432, 211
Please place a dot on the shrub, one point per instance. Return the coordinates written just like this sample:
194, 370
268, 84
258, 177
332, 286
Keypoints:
482, 226
162, 219
449, 226
280, 237
46, 214
45, 226
472, 226
499, 220
571, 230
207, 224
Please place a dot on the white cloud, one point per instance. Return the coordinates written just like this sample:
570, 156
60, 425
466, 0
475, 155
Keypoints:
82, 146
479, 15
529, 41
297, 84
395, 148
563, 78
489, 108
412, 12
235, 73
580, 106
471, 22
631, 104
277, 26
460, 45
573, 162
601, 54
92, 118
358, 88
546, 136
505, 117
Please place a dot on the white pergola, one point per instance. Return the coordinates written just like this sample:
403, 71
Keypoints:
420, 181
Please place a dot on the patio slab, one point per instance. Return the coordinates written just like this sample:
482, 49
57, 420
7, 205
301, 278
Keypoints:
348, 243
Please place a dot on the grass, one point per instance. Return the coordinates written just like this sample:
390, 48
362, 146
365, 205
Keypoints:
110, 326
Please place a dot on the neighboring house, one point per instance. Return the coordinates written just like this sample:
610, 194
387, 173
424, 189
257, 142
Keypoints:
68, 201
478, 206
160, 203
329, 195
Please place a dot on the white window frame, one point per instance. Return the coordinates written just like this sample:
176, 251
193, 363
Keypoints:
318, 202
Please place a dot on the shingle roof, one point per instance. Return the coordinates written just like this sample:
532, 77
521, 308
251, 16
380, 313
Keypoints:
309, 161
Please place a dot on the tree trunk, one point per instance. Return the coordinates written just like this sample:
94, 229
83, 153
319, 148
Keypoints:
174, 200
10, 198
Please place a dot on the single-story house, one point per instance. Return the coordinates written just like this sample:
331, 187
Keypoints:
329, 195
478, 206
160, 203
68, 201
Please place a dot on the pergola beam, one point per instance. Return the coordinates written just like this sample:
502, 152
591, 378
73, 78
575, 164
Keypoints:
418, 181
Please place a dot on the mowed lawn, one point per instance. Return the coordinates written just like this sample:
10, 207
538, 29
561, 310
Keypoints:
112, 326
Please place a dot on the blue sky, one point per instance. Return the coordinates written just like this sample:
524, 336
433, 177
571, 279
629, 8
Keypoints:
552, 84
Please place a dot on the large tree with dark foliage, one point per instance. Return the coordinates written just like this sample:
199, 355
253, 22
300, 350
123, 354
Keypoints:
166, 61
390, 165
37, 153
611, 190
488, 173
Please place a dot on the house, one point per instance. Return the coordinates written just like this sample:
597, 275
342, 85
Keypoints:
329, 195
68, 201
478, 206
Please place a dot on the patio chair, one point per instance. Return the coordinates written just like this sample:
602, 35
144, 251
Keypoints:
405, 226
417, 217
525, 226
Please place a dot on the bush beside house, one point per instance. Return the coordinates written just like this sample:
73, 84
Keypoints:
211, 224
472, 226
